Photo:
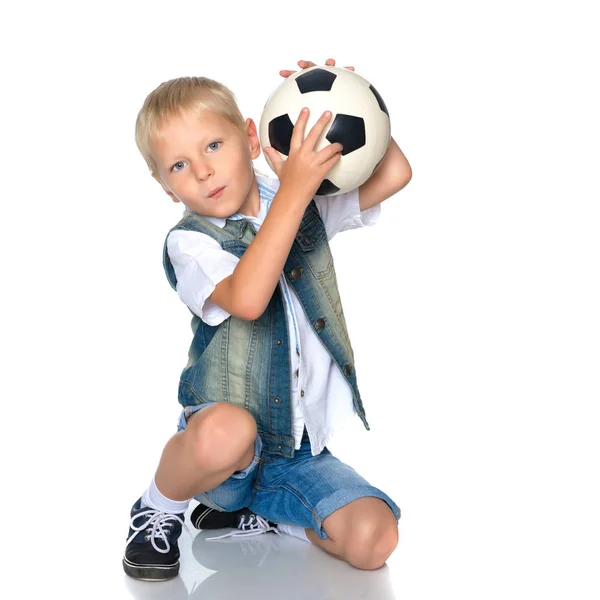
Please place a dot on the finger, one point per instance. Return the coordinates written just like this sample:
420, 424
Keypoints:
299, 129
329, 151
274, 157
286, 73
331, 162
305, 64
317, 129
272, 154
349, 68
330, 62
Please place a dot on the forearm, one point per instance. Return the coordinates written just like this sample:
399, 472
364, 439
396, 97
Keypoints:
255, 277
257, 274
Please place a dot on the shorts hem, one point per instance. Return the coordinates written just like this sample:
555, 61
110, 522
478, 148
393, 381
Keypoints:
238, 502
187, 412
341, 498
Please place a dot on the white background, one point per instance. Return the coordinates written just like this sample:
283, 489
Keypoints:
472, 305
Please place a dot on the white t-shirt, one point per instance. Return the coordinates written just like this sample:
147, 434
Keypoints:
321, 397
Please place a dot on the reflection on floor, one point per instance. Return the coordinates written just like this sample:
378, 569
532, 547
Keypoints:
262, 567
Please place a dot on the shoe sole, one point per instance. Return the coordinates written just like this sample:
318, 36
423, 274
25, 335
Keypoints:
151, 572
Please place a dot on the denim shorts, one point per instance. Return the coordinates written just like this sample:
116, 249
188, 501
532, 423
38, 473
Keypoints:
303, 490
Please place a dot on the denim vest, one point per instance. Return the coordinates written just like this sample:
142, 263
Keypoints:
248, 362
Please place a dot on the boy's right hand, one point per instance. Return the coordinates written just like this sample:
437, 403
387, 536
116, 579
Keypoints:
305, 168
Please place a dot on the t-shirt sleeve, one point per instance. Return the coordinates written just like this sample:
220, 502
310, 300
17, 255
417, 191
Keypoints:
200, 264
340, 213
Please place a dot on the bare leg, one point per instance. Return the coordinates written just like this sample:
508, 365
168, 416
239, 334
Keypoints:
325, 544
218, 441
364, 533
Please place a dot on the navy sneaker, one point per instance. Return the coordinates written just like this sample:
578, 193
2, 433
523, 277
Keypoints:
151, 552
244, 520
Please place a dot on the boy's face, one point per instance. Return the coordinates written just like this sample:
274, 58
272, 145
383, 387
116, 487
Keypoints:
205, 162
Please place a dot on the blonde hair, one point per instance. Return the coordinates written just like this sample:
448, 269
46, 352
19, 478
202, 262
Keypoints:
177, 96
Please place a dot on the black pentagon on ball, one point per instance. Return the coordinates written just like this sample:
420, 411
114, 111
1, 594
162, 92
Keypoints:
380, 101
280, 133
327, 188
349, 131
317, 80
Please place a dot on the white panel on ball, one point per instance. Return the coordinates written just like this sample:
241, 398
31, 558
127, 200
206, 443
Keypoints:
350, 94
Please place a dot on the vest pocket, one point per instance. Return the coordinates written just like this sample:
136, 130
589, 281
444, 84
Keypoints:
305, 242
320, 262
234, 247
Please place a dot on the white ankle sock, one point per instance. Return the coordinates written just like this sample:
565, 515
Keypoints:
294, 530
152, 498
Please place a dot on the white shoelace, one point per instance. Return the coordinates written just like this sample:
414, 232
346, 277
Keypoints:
255, 525
157, 525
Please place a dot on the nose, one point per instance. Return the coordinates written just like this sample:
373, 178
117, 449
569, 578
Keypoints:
203, 170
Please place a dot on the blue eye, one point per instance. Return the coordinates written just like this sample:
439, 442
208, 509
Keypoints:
178, 166
217, 144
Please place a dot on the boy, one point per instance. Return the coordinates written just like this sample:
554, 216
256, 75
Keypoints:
271, 370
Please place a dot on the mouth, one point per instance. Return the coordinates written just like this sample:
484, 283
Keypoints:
216, 193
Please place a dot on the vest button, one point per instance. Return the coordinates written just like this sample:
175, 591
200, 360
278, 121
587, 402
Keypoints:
279, 342
296, 273
347, 369
302, 393
320, 324
277, 400
279, 446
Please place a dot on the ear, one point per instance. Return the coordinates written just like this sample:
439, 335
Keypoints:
165, 188
252, 137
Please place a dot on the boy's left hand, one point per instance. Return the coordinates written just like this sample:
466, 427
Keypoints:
306, 64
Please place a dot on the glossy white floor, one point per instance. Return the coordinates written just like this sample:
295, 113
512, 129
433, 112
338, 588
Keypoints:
264, 566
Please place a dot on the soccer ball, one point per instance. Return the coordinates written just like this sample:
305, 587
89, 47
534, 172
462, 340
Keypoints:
360, 122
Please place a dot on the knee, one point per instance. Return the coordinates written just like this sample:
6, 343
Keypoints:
220, 435
370, 543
